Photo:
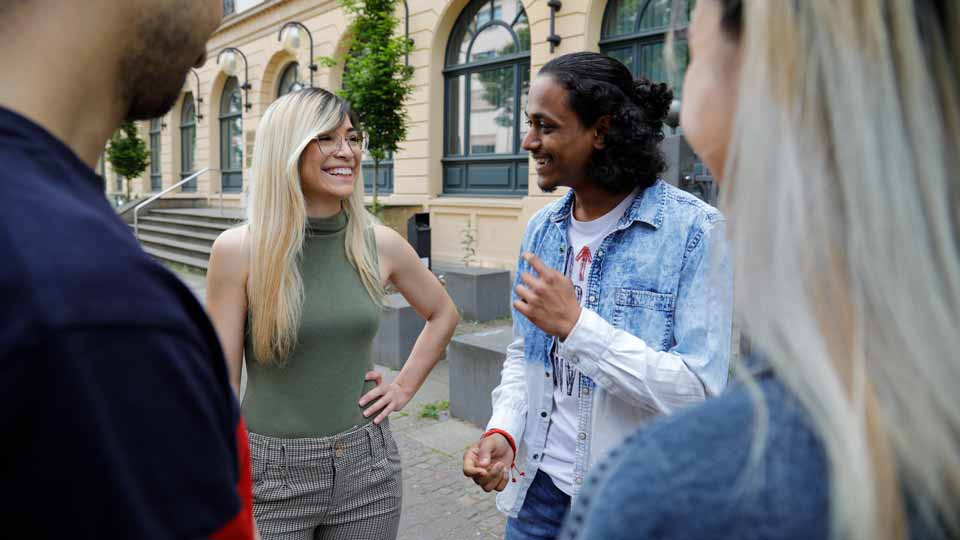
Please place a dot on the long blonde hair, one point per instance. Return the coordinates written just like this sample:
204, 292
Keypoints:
277, 220
842, 194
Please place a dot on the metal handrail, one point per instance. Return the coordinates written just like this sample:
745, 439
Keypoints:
136, 211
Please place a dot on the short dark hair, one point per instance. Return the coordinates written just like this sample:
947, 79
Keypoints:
597, 86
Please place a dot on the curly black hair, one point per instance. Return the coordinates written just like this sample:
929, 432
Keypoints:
597, 86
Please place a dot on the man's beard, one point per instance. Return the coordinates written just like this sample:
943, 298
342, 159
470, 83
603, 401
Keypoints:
547, 189
153, 74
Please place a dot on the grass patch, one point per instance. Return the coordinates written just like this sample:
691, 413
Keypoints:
433, 410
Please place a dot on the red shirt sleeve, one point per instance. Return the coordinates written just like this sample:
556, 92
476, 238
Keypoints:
241, 526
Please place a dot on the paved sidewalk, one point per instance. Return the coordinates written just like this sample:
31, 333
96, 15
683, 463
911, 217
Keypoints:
439, 503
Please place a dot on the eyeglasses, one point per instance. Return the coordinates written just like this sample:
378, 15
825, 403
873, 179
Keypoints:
330, 144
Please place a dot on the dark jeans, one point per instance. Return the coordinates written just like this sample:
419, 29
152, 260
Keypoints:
541, 516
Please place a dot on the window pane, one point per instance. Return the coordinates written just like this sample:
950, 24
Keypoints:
682, 59
651, 63
230, 91
463, 40
524, 90
510, 9
622, 17
491, 111
625, 56
236, 102
155, 153
456, 114
657, 14
522, 29
188, 147
189, 113
493, 42
236, 143
290, 77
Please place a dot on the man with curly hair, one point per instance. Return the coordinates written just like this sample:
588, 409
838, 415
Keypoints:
623, 294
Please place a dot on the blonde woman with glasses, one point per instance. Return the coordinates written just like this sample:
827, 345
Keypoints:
297, 292
834, 127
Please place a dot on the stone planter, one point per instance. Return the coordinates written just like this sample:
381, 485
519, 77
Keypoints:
399, 328
475, 364
481, 294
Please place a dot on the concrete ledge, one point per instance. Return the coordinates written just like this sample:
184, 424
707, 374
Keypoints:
399, 328
475, 364
482, 294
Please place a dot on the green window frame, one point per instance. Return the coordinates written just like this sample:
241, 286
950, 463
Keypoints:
188, 142
486, 80
156, 176
635, 32
231, 137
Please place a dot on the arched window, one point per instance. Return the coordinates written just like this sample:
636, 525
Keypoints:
635, 32
188, 141
289, 80
487, 76
231, 137
156, 179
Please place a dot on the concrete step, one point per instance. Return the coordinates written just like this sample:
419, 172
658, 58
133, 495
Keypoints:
209, 215
197, 263
192, 249
178, 233
186, 223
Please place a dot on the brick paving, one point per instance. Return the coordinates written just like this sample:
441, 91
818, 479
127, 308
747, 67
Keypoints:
438, 501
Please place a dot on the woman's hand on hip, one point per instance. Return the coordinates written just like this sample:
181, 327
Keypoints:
384, 398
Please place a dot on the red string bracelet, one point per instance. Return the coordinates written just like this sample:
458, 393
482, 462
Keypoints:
513, 446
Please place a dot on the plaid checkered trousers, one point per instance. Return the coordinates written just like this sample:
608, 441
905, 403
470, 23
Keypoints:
343, 487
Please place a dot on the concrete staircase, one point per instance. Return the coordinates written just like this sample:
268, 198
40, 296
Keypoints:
184, 235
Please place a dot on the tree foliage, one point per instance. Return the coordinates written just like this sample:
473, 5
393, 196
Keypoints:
376, 79
127, 153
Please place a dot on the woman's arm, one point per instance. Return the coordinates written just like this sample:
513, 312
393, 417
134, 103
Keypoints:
400, 266
227, 297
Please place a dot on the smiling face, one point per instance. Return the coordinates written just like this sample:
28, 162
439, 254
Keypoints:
330, 173
561, 146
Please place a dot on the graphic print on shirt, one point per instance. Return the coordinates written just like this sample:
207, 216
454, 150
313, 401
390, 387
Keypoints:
566, 376
584, 259
564, 434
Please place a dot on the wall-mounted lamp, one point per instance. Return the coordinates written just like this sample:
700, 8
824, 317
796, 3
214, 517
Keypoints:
291, 35
553, 38
227, 60
199, 99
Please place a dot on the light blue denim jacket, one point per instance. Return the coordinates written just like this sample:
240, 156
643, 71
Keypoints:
653, 335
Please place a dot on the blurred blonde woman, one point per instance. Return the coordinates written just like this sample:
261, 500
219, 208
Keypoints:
834, 127
297, 293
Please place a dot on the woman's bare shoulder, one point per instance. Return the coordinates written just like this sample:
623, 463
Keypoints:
231, 250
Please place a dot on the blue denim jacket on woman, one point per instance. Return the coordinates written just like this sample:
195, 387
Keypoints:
690, 476
653, 335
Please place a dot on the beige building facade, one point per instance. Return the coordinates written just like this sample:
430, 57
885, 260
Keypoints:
461, 162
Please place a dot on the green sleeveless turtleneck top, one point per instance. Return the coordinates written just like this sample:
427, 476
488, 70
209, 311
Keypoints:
314, 393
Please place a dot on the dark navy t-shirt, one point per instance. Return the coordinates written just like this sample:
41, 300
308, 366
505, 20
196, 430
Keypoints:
116, 415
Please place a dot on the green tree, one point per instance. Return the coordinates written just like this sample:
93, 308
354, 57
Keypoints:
376, 80
128, 154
